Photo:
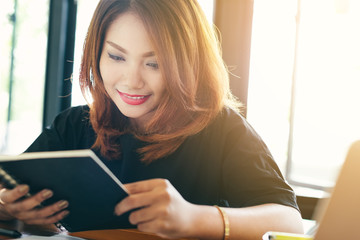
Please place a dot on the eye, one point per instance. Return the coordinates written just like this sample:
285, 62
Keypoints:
153, 65
116, 58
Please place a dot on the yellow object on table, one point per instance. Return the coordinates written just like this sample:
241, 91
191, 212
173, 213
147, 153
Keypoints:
285, 236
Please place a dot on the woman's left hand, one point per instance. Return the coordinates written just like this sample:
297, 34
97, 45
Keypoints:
160, 208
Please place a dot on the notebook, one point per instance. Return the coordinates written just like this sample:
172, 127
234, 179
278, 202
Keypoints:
78, 176
339, 216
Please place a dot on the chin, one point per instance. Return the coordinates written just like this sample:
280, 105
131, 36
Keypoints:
133, 114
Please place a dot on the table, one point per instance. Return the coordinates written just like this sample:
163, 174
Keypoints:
50, 230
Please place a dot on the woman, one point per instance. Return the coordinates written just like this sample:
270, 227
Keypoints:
163, 119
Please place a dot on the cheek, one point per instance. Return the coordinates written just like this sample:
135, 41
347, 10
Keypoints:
108, 73
156, 83
160, 86
106, 77
103, 70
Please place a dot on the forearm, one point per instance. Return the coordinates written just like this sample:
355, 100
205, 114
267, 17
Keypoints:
246, 223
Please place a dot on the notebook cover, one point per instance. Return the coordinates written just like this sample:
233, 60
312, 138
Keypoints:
78, 177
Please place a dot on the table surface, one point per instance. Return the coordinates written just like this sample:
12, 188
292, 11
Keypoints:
51, 230
110, 234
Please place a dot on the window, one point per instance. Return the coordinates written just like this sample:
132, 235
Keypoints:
23, 43
304, 84
85, 10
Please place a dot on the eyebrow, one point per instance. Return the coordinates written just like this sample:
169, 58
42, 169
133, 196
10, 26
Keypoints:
114, 45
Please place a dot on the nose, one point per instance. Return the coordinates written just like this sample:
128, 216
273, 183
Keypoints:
134, 78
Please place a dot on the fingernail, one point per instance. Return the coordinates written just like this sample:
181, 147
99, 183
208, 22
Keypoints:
23, 188
47, 193
65, 213
63, 204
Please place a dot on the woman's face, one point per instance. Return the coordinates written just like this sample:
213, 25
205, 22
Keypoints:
129, 69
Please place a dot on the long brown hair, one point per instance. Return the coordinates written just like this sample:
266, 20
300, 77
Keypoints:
189, 56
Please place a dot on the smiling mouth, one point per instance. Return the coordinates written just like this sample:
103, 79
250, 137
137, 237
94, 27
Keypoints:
133, 99
136, 98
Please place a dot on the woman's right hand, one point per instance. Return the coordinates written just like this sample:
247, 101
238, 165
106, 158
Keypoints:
27, 209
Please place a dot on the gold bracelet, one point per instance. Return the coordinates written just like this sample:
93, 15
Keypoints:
226, 222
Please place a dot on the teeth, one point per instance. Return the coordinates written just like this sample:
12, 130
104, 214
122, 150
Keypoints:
135, 98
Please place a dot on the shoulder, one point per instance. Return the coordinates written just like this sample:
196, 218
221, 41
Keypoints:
73, 114
230, 118
71, 129
233, 130
228, 130
73, 118
232, 122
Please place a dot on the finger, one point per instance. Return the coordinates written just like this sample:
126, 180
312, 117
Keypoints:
42, 213
146, 185
9, 196
132, 202
49, 220
142, 215
30, 202
139, 200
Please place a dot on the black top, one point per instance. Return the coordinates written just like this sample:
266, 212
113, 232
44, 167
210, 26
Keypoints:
225, 164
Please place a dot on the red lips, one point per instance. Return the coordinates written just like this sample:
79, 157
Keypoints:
133, 99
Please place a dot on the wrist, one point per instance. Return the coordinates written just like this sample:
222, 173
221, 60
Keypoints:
226, 222
206, 223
